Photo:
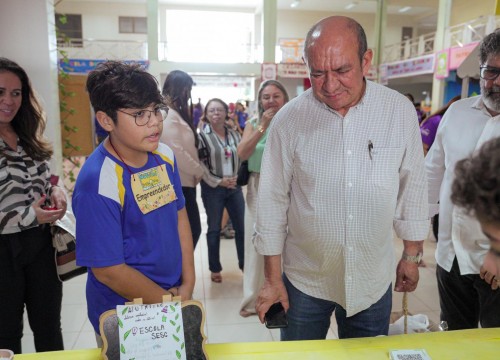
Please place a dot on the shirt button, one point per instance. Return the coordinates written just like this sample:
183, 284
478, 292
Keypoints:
350, 217
349, 278
349, 152
349, 184
350, 248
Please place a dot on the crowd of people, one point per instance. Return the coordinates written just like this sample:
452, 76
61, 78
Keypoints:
332, 173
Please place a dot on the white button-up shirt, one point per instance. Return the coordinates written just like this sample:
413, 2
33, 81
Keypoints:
328, 201
464, 127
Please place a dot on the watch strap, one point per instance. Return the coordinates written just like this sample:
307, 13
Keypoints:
416, 259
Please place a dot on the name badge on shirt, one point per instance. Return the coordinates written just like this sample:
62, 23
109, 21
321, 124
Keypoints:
152, 189
227, 167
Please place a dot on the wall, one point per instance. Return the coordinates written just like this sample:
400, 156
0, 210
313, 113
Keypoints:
100, 20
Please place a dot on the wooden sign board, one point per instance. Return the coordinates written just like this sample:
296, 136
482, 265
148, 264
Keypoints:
170, 330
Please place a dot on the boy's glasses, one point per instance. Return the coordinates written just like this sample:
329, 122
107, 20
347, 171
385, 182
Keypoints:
142, 117
489, 73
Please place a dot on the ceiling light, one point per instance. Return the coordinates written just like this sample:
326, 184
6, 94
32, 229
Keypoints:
351, 5
295, 4
404, 9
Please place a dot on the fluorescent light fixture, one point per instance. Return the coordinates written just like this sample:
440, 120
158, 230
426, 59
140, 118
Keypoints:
404, 9
351, 5
295, 4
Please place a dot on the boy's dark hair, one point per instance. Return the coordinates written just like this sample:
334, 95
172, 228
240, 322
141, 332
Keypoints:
477, 183
114, 85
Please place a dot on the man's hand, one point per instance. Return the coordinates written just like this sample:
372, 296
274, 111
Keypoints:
487, 275
406, 276
270, 293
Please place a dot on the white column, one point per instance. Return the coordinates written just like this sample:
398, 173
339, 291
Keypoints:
269, 24
152, 30
443, 22
380, 26
29, 39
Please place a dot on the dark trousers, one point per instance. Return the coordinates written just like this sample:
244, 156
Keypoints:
193, 213
467, 300
215, 200
28, 277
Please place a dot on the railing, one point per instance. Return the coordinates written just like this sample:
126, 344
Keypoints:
457, 35
423, 45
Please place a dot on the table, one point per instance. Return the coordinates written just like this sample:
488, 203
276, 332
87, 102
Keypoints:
483, 344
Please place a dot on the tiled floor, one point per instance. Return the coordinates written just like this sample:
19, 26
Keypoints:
221, 301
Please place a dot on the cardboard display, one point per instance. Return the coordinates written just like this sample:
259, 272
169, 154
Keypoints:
193, 321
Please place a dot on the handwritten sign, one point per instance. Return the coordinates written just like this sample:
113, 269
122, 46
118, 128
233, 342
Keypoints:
151, 332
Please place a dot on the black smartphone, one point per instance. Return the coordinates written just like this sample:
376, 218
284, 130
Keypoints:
276, 317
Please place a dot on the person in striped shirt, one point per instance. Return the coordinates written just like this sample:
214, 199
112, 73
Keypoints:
27, 267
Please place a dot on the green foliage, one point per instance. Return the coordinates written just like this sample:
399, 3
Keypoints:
66, 112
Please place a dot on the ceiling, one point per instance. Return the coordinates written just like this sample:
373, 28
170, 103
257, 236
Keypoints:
417, 7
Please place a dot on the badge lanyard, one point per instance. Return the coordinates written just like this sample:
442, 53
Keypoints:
227, 167
153, 190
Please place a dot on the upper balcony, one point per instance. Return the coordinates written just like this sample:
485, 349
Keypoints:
458, 35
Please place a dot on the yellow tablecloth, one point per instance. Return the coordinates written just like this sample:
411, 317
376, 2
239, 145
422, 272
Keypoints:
480, 344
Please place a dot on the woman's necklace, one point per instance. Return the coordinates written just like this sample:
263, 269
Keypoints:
227, 150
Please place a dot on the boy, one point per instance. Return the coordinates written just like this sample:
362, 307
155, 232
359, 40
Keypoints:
477, 188
132, 229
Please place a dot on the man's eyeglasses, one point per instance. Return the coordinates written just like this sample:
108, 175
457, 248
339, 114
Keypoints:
143, 116
489, 73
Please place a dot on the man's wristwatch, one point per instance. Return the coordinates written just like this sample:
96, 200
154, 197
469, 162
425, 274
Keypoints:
412, 258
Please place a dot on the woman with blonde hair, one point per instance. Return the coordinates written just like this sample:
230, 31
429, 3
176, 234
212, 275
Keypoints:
271, 97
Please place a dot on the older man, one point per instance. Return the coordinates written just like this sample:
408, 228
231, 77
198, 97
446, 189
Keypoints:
342, 167
465, 298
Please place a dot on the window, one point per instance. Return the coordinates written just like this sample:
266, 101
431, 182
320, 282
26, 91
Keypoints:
210, 36
133, 25
69, 30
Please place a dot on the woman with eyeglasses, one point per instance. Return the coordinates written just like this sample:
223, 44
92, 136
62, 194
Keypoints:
218, 153
180, 134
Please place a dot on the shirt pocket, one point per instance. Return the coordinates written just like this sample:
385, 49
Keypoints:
386, 163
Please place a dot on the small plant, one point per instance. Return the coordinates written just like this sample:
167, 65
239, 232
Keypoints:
71, 163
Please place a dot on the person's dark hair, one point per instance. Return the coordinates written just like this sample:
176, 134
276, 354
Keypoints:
204, 117
29, 122
177, 92
352, 25
114, 85
477, 183
410, 97
261, 89
490, 45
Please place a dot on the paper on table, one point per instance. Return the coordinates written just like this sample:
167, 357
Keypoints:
415, 354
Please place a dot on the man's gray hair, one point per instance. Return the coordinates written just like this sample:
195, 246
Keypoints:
490, 45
